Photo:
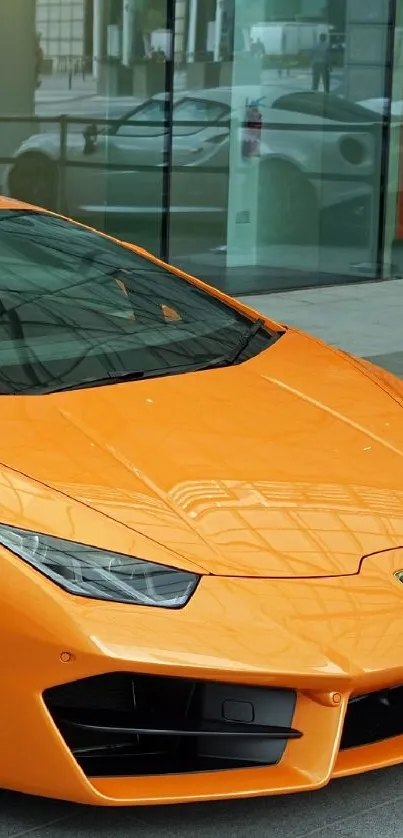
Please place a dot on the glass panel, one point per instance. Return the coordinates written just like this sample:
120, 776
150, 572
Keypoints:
291, 192
95, 62
77, 307
278, 136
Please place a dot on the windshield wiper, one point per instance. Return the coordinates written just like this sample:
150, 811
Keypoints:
121, 377
139, 375
245, 340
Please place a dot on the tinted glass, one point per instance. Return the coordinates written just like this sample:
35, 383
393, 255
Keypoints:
76, 307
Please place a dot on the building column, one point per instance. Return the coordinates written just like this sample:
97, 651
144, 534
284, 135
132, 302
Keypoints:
244, 194
192, 30
180, 25
99, 36
17, 72
17, 56
218, 30
366, 46
393, 241
365, 77
128, 22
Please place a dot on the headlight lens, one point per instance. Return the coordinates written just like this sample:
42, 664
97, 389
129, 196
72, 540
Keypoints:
97, 574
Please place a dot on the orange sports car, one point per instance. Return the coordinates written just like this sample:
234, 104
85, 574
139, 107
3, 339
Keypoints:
201, 535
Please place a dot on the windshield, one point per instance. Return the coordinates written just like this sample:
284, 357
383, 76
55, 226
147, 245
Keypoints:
199, 111
76, 307
326, 106
152, 114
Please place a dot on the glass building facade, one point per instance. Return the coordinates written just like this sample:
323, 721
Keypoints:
256, 143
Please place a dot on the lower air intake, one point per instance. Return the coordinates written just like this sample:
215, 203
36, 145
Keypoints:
372, 718
122, 724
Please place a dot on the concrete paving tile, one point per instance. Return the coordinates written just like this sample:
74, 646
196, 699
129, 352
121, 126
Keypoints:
383, 821
20, 815
364, 318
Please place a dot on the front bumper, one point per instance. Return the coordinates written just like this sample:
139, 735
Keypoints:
326, 639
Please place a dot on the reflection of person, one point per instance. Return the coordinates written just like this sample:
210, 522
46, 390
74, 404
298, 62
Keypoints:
321, 64
157, 55
257, 48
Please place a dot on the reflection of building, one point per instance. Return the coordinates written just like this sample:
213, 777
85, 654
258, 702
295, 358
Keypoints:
279, 217
64, 28
130, 29
127, 29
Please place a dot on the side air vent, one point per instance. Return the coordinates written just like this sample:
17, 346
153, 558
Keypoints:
122, 724
372, 718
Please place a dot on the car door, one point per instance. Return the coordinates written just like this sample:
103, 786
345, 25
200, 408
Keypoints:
200, 156
121, 167
135, 157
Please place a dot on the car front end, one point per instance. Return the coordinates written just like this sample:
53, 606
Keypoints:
201, 536
112, 704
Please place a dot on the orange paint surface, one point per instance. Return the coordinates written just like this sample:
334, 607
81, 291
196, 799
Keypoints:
281, 482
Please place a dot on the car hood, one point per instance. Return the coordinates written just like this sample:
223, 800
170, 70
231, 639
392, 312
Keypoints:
290, 464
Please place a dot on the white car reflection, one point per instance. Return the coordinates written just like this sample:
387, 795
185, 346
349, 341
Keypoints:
317, 152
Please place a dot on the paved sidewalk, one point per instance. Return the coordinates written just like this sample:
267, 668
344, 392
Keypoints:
56, 87
54, 98
364, 318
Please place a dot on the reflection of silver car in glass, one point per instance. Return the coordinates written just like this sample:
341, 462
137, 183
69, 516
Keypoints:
317, 152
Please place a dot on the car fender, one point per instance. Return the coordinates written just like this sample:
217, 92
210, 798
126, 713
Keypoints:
312, 185
29, 152
298, 147
47, 145
268, 156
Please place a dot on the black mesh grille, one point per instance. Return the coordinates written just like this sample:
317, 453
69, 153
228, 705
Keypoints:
121, 724
373, 717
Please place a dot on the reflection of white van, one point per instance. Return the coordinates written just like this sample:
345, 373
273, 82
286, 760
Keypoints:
161, 39
287, 38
